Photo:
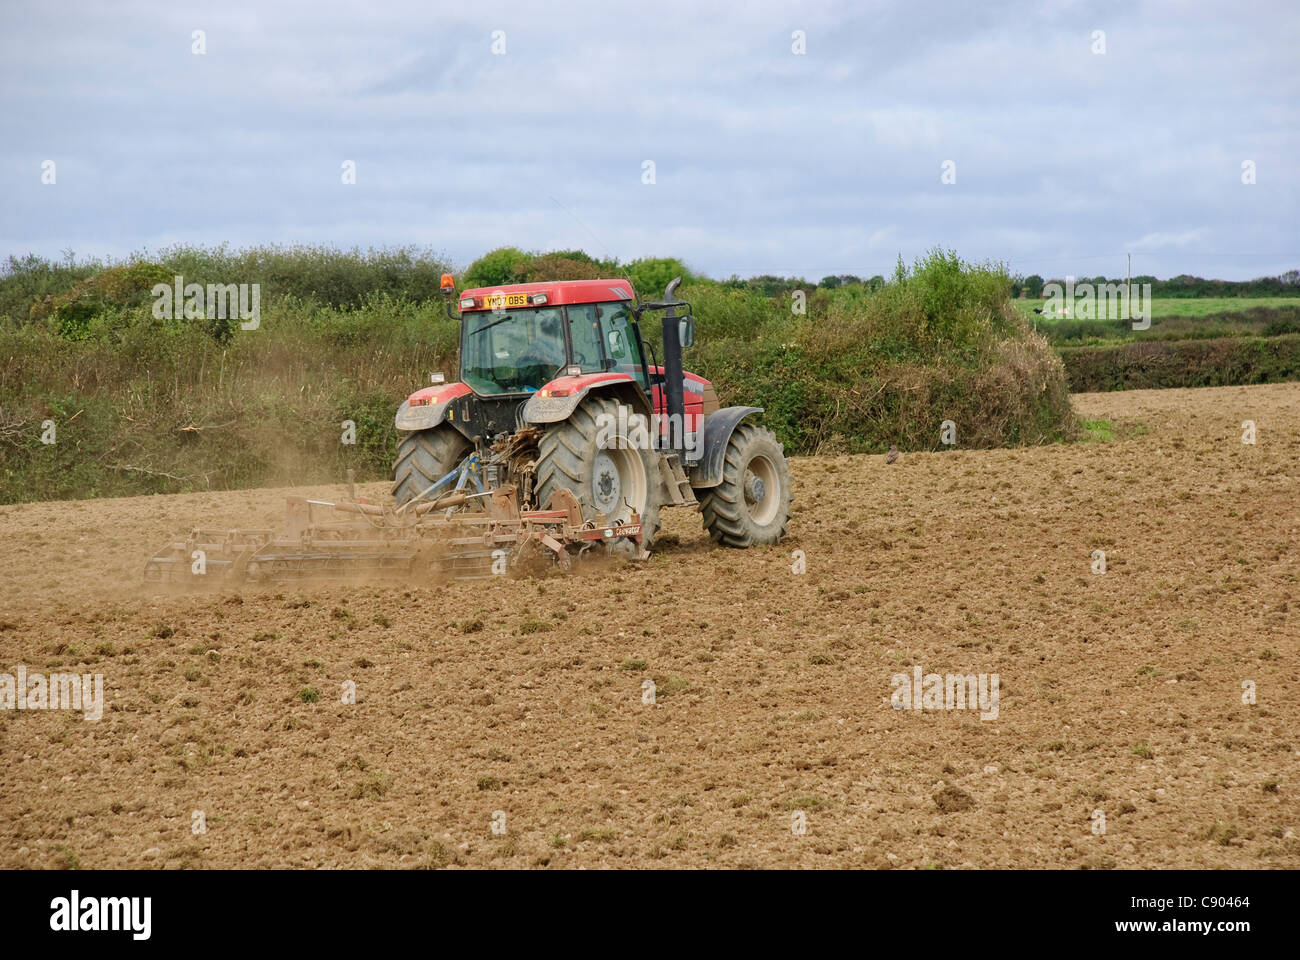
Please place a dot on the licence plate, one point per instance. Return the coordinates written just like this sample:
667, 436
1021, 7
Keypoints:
499, 301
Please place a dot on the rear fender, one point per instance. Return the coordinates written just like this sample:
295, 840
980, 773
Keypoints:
544, 407
712, 447
427, 408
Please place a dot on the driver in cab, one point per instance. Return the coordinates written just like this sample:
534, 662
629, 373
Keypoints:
544, 355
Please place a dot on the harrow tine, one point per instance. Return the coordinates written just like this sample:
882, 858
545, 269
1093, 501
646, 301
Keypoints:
375, 541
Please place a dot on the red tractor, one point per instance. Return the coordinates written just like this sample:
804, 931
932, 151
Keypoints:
559, 437
558, 391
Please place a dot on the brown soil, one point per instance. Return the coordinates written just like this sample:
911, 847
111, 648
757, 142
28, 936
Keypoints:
1120, 692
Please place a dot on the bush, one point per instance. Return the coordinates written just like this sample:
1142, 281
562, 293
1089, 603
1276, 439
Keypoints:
153, 410
1183, 363
27, 281
105, 294
33, 288
650, 276
496, 268
867, 369
1268, 321
570, 265
326, 275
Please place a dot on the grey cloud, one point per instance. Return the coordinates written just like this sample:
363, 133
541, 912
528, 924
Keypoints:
766, 161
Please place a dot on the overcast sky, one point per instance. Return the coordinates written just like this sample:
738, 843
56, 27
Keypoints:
765, 160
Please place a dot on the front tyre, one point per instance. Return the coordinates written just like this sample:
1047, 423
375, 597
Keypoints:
425, 457
751, 506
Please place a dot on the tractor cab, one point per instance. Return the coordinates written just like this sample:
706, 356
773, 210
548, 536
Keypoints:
530, 352
515, 341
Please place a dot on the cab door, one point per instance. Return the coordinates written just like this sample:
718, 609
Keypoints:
621, 344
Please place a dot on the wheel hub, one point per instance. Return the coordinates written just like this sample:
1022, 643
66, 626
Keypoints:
762, 488
607, 484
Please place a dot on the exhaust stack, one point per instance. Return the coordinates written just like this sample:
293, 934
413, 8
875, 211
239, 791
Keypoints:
673, 377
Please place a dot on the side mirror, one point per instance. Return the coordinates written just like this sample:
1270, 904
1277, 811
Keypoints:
686, 331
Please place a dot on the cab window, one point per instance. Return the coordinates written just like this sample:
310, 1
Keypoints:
513, 351
622, 348
584, 332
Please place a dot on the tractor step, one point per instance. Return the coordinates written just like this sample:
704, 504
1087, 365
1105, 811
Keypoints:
676, 481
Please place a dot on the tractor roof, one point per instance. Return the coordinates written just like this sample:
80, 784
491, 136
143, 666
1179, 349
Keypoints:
556, 291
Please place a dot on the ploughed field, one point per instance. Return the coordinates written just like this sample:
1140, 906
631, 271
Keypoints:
518, 704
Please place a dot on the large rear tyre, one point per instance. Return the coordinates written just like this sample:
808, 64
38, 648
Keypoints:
751, 506
425, 457
610, 477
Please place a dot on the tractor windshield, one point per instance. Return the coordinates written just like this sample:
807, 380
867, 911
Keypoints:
513, 351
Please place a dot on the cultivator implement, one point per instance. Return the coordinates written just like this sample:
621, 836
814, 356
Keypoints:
457, 537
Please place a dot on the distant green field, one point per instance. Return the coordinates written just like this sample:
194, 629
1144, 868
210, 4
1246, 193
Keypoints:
1179, 307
